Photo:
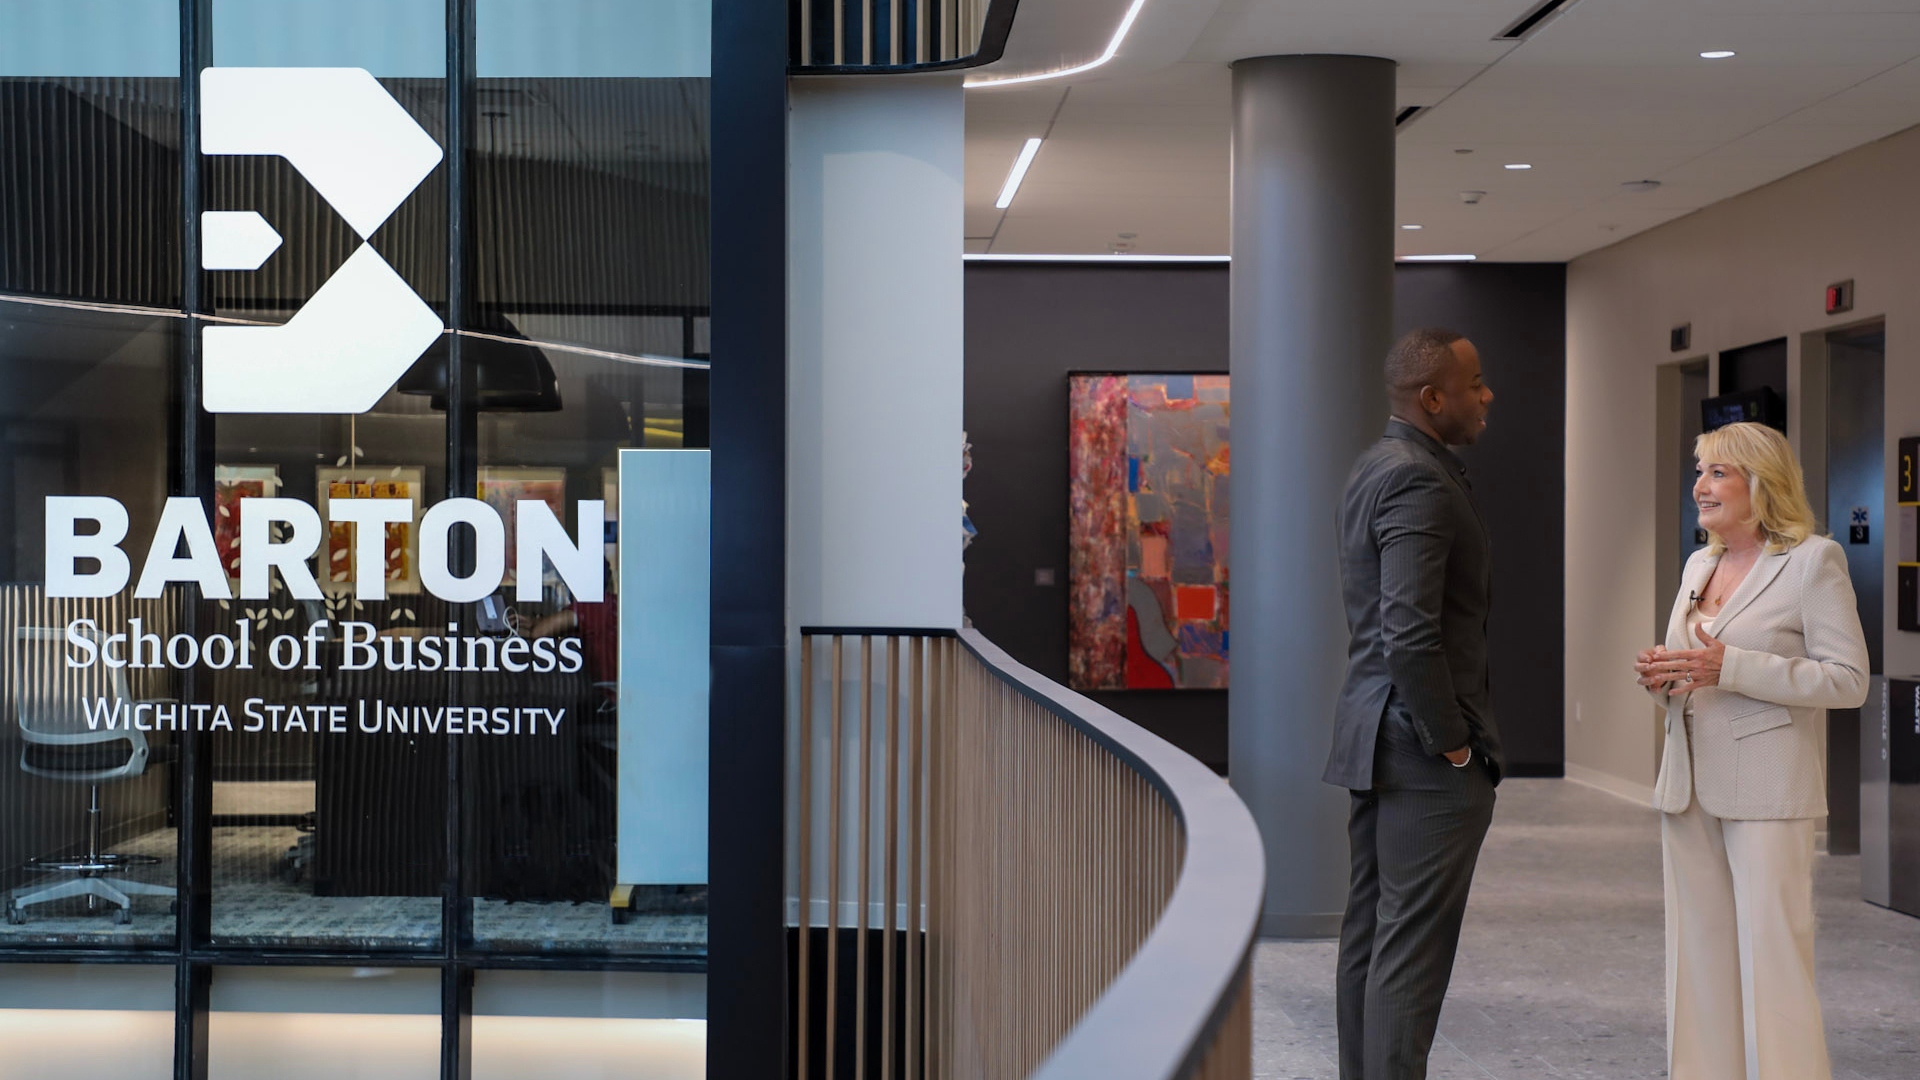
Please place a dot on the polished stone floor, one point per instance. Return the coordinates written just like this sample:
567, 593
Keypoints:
1560, 969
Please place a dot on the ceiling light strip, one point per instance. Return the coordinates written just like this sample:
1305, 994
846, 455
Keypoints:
1532, 20
1018, 173
1129, 258
1113, 47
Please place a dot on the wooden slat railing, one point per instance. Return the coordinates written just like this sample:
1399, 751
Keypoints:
879, 36
1080, 898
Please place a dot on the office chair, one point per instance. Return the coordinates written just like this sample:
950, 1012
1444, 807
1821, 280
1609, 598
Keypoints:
59, 745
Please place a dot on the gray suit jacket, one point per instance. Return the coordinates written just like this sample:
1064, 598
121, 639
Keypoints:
1416, 575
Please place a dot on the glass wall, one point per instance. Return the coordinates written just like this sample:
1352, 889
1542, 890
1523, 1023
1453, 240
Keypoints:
323, 838
339, 684
89, 221
590, 188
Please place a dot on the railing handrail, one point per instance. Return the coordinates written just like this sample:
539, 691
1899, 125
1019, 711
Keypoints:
1156, 1020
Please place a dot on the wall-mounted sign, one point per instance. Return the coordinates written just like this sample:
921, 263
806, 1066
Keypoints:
1906, 556
1907, 480
1857, 526
1840, 297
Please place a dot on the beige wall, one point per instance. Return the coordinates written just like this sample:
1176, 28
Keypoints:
1746, 270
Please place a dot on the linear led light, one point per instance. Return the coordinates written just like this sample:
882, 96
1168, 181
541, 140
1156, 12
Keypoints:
1519, 166
1019, 173
1099, 258
1718, 54
1120, 35
1437, 258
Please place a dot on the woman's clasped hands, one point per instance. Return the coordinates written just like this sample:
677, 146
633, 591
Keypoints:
1684, 670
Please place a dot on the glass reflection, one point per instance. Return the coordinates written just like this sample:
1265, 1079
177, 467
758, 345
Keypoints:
324, 837
87, 840
90, 151
589, 174
542, 816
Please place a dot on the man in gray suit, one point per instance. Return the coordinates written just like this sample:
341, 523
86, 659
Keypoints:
1414, 738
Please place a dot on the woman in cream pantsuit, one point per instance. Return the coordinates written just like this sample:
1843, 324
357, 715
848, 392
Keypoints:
1763, 636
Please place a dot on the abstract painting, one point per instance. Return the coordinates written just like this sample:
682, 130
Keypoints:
1147, 532
504, 488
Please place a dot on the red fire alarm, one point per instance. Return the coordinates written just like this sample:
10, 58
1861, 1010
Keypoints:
1840, 297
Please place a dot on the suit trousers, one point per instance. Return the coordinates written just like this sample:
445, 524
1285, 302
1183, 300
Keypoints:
1414, 837
1741, 1003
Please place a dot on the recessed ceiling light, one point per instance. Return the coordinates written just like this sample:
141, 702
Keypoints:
1519, 165
1717, 54
1438, 258
1411, 227
1019, 173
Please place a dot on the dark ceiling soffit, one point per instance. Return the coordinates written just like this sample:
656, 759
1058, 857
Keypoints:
993, 45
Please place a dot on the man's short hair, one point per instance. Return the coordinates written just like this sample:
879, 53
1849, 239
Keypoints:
1417, 360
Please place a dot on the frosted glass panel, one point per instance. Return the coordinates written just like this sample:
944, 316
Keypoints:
60, 1020
77, 38
324, 1024
651, 39
394, 39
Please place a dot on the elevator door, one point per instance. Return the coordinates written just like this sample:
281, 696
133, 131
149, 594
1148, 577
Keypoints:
1856, 496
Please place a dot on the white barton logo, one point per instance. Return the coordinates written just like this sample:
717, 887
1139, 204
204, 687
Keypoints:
363, 154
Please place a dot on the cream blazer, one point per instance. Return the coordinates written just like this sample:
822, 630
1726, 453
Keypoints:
1794, 648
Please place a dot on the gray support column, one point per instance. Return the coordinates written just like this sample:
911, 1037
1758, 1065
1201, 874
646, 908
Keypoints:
1312, 317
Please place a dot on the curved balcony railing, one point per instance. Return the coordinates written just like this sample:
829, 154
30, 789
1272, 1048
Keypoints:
850, 37
1004, 880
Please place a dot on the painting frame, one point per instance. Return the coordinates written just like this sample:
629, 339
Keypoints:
227, 493
415, 477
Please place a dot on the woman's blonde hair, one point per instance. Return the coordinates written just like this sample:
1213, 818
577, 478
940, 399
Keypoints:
1774, 482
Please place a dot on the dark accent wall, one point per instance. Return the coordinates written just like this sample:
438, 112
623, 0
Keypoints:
1029, 325
1516, 314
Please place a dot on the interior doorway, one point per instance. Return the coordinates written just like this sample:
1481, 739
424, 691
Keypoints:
1856, 515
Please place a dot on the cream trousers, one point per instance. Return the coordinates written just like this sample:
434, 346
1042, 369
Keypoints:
1740, 993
